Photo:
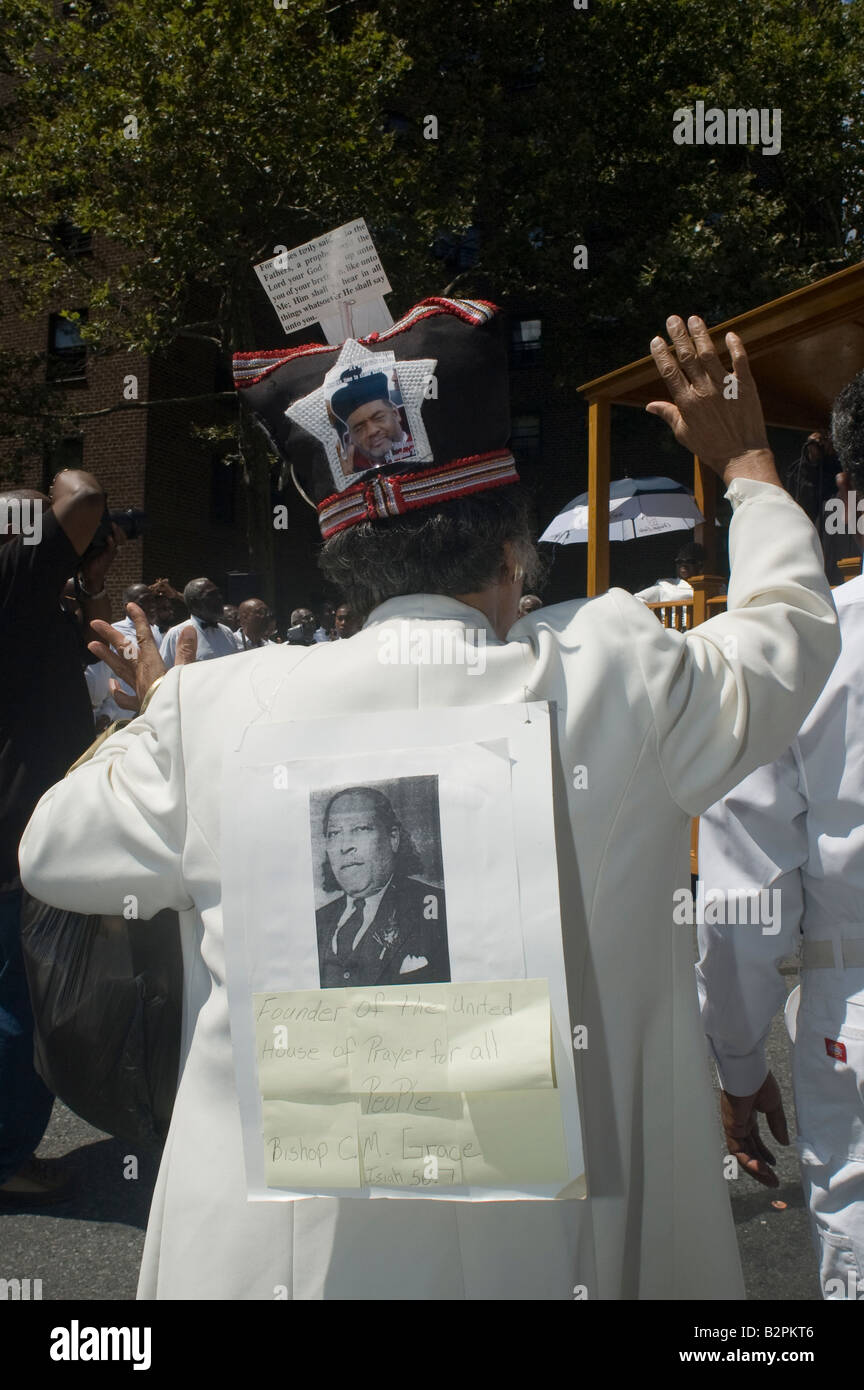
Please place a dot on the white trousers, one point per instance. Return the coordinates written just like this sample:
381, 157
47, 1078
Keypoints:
828, 1078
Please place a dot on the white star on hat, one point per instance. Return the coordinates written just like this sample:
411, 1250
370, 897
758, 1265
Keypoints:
311, 412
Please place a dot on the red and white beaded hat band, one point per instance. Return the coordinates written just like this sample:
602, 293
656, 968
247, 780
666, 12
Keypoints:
376, 427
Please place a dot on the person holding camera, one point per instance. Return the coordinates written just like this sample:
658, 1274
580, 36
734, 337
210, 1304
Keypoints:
46, 722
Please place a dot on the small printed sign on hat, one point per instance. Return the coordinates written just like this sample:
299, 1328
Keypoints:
312, 283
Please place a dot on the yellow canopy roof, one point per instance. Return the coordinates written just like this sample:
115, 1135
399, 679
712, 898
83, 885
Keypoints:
803, 347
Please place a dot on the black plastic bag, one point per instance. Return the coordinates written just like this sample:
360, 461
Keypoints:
106, 996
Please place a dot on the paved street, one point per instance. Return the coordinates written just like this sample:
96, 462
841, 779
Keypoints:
90, 1248
776, 1253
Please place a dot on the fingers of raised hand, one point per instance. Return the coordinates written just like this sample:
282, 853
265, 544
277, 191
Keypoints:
108, 633
142, 626
740, 360
685, 350
668, 413
122, 697
705, 350
119, 665
667, 365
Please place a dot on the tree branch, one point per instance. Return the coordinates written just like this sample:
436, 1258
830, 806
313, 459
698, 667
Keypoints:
133, 405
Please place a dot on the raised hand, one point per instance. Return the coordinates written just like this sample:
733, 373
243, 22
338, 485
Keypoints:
714, 414
137, 661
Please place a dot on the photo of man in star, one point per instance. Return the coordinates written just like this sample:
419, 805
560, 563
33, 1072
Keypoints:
367, 414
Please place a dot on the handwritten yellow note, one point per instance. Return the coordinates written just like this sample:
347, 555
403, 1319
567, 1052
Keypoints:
519, 1136
399, 1039
499, 1036
410, 1086
302, 1040
396, 1146
312, 1143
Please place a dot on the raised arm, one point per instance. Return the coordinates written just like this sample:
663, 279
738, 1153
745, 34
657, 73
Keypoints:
731, 695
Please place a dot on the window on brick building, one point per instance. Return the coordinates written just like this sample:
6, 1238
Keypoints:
525, 341
525, 438
68, 453
67, 352
223, 491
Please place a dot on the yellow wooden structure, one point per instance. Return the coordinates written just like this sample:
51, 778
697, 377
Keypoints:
802, 348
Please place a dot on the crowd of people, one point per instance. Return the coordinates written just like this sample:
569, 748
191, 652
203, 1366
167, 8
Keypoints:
220, 630
740, 721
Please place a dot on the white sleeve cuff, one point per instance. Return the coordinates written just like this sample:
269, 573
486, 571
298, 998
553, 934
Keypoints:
741, 1076
742, 489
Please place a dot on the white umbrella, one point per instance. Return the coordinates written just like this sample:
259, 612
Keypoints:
637, 507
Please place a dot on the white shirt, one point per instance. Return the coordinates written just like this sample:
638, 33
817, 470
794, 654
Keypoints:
245, 644
100, 674
664, 723
212, 641
666, 591
796, 825
370, 909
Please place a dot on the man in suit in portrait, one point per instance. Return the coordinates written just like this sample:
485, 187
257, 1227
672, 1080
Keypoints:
386, 928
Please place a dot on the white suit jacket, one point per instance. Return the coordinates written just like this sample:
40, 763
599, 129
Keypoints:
796, 826
664, 724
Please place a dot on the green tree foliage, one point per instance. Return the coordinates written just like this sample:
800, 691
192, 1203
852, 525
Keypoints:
259, 125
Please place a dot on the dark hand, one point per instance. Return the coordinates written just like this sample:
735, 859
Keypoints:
727, 434
138, 662
94, 570
741, 1126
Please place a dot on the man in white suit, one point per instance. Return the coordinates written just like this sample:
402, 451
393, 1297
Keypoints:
652, 726
796, 829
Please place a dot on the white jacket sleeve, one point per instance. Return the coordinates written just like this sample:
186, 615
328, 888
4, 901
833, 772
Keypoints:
754, 839
732, 694
127, 805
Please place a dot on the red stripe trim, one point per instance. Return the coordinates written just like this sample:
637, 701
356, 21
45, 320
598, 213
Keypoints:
395, 494
431, 306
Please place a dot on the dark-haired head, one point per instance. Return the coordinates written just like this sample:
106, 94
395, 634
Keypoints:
454, 548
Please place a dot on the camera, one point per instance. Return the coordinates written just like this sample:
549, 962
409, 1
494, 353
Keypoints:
132, 522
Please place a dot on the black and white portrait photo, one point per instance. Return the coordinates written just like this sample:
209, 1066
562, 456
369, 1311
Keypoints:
382, 918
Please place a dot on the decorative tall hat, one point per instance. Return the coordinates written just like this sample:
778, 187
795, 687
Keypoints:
379, 426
